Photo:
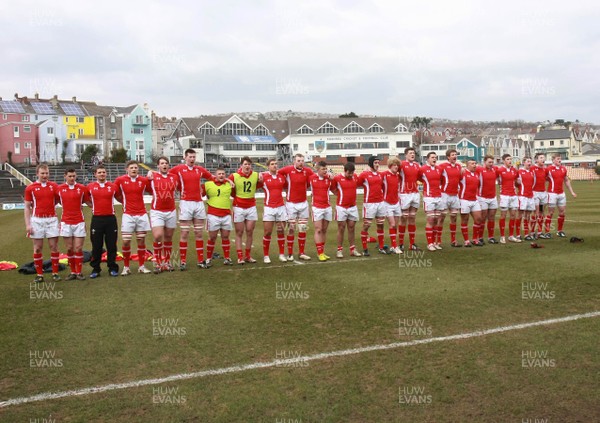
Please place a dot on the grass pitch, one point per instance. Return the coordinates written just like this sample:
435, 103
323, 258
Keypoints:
117, 330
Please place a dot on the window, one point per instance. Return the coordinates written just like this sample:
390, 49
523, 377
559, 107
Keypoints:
402, 144
401, 128
195, 143
113, 119
127, 144
50, 130
5, 116
72, 135
541, 143
295, 147
80, 132
67, 119
79, 119
17, 148
237, 147
382, 145
138, 131
139, 144
327, 128
311, 146
113, 132
27, 145
208, 147
26, 128
16, 131
354, 128
266, 147
235, 128
333, 157
140, 157
207, 129
139, 120
376, 128
562, 142
334, 146
305, 130
25, 118
261, 130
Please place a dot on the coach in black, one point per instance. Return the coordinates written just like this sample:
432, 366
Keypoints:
104, 229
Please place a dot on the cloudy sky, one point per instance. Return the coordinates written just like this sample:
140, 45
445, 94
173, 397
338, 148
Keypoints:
461, 59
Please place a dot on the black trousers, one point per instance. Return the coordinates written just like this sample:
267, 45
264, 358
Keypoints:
103, 231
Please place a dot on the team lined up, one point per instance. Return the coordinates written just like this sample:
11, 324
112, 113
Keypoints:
392, 195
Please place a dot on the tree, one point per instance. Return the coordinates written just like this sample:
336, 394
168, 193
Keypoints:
421, 123
349, 115
90, 152
119, 155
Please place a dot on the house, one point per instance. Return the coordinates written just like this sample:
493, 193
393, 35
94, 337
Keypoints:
470, 148
17, 134
557, 139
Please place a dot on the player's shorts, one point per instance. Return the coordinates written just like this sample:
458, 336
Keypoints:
44, 227
392, 209
131, 224
372, 210
468, 206
322, 214
450, 202
242, 214
488, 203
343, 214
509, 202
409, 200
190, 210
275, 214
526, 203
68, 231
297, 210
432, 204
214, 223
163, 219
557, 200
540, 197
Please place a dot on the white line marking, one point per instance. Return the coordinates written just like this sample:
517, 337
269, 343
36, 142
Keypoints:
297, 263
582, 221
262, 365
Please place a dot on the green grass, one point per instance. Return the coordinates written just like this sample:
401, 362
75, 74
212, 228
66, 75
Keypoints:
102, 331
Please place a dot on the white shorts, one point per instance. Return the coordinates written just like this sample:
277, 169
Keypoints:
68, 231
392, 209
163, 219
242, 214
509, 202
488, 203
526, 203
297, 210
431, 204
215, 223
44, 227
450, 202
371, 210
131, 224
322, 214
275, 214
190, 210
557, 200
343, 214
409, 200
540, 197
468, 206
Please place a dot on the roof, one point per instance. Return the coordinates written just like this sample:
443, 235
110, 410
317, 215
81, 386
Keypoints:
389, 124
553, 134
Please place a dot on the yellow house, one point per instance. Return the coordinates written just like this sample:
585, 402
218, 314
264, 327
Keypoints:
80, 127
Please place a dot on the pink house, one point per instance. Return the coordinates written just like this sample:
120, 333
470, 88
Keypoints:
18, 135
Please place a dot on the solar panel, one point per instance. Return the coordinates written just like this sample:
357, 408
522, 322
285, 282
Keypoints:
43, 108
72, 109
11, 106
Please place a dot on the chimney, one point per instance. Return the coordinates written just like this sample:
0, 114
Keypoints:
74, 99
17, 96
539, 128
37, 96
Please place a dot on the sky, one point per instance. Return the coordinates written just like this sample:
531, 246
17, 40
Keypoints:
470, 60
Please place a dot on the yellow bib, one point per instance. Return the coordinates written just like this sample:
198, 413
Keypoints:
219, 196
245, 187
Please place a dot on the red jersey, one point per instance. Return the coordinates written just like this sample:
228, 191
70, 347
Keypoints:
450, 177
345, 189
431, 177
44, 197
163, 189
468, 186
102, 197
540, 178
526, 182
71, 198
507, 177
132, 191
556, 177
273, 186
373, 183
409, 175
487, 181
320, 191
189, 180
391, 186
297, 181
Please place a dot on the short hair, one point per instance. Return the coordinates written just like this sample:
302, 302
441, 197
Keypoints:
220, 168
526, 158
299, 155
270, 161
488, 156
471, 160
555, 155
189, 151
246, 159
452, 150
430, 153
41, 166
538, 155
131, 162
70, 170
349, 167
98, 168
162, 158
322, 163
505, 156
407, 149
393, 161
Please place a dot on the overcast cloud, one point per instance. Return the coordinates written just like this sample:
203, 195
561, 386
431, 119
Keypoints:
532, 60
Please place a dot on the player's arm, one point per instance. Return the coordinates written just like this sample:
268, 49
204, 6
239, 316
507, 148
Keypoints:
568, 185
27, 214
118, 192
87, 198
150, 175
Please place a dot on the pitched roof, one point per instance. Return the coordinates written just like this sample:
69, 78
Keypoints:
552, 134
